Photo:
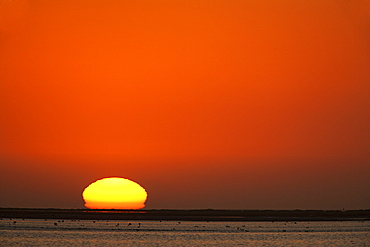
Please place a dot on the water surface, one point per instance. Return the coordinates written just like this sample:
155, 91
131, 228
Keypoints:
40, 232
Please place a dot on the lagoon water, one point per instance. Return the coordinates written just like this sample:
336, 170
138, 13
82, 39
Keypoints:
41, 232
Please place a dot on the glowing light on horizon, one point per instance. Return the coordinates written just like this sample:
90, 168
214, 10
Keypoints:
114, 193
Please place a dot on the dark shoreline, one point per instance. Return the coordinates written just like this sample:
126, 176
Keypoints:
187, 215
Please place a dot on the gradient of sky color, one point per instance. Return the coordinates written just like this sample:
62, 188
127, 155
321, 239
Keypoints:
207, 104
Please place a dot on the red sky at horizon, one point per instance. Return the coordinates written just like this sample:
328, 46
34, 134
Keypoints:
206, 104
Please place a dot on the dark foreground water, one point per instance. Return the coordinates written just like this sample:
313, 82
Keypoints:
18, 232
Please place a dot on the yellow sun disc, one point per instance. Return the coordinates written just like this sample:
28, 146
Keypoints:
114, 193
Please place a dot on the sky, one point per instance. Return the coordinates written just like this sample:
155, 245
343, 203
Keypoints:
217, 104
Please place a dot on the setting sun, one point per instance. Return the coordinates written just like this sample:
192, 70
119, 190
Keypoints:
114, 193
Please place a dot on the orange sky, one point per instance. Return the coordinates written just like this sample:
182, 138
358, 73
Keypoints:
207, 104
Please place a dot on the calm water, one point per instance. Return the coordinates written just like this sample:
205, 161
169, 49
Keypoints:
18, 232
